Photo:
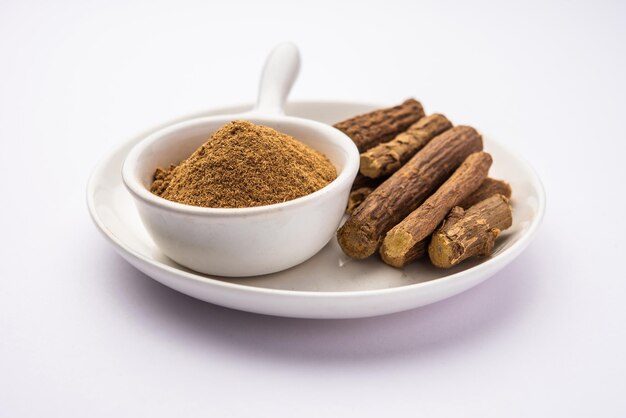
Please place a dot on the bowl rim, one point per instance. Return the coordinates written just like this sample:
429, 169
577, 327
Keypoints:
139, 191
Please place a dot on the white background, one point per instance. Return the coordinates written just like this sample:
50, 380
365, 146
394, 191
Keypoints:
83, 334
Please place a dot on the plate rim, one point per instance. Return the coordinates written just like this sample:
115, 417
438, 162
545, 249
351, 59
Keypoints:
502, 258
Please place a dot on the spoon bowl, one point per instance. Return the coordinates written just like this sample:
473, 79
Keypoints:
238, 242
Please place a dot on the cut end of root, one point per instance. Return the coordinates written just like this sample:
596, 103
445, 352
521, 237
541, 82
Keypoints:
395, 248
354, 242
441, 251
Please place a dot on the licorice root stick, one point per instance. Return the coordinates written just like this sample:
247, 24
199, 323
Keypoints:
361, 235
471, 232
384, 159
489, 187
381, 125
406, 241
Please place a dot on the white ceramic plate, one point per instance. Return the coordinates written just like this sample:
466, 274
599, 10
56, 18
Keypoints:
329, 285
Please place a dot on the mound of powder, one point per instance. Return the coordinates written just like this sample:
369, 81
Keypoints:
245, 165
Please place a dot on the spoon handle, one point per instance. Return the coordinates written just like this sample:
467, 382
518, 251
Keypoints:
279, 73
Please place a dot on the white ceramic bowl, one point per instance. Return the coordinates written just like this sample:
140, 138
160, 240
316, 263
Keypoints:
247, 241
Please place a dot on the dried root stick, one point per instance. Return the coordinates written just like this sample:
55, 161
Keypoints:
490, 187
399, 195
471, 232
406, 241
384, 159
381, 125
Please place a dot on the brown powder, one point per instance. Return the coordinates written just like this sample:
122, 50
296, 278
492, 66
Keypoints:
245, 165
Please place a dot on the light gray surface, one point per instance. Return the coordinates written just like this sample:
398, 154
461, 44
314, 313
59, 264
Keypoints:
83, 333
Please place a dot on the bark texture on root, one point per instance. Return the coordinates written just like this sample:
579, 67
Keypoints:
406, 241
489, 187
388, 157
381, 125
361, 235
471, 232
